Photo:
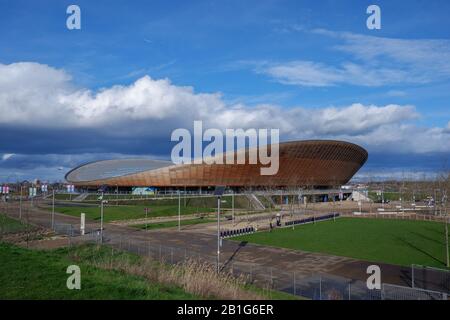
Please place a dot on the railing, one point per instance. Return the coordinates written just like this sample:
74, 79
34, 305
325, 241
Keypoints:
430, 278
236, 232
311, 219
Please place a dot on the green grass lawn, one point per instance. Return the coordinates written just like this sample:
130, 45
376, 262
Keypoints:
400, 242
112, 197
112, 213
32, 274
38, 274
64, 196
240, 202
9, 225
170, 224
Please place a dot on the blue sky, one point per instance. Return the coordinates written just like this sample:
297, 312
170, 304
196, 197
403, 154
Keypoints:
137, 70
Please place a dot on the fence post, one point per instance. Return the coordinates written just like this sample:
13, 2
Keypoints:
412, 276
159, 253
171, 255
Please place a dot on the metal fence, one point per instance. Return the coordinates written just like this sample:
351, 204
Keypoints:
393, 292
430, 278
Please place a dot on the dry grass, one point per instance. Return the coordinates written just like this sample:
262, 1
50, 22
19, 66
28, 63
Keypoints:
198, 278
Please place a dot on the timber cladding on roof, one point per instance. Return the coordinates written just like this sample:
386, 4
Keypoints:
301, 163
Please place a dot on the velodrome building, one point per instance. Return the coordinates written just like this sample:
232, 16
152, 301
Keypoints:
311, 163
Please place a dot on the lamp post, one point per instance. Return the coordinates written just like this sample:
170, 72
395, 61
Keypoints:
20, 204
446, 230
232, 204
435, 201
101, 220
179, 211
218, 192
446, 241
146, 221
218, 234
53, 207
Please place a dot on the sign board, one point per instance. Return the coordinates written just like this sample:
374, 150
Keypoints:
32, 192
143, 191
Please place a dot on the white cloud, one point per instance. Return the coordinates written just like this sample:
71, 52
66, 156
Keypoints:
399, 174
373, 61
313, 74
430, 54
7, 156
39, 96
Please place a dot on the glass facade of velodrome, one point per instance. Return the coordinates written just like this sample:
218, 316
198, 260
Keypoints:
301, 163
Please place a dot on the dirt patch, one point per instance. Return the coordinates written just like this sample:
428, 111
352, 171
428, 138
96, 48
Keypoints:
47, 243
36, 237
35, 233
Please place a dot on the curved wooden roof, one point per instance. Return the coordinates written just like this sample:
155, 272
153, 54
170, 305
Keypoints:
301, 163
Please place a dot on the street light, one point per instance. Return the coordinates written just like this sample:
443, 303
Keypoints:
444, 203
20, 203
232, 204
101, 219
179, 210
218, 192
146, 216
53, 207
435, 201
